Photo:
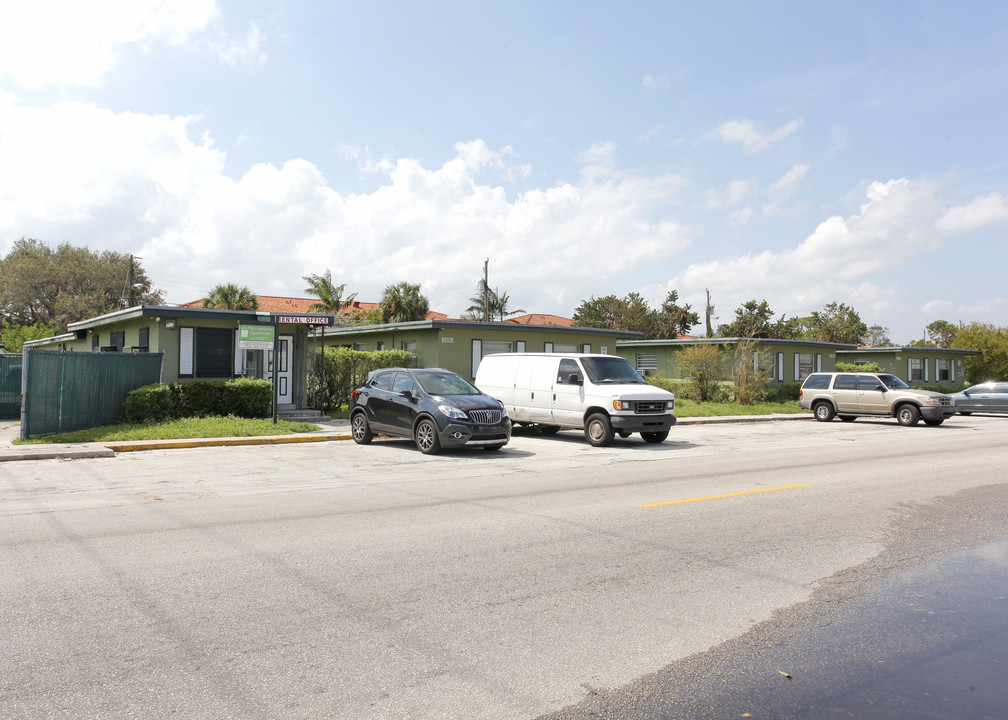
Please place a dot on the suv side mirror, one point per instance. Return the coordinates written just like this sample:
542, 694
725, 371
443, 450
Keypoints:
880, 387
407, 394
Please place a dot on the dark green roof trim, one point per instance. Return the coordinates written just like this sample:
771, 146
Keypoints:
469, 325
910, 349
171, 312
685, 342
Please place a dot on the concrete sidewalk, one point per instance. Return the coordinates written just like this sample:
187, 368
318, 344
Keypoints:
329, 430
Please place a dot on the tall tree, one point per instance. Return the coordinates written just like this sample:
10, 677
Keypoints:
330, 296
229, 296
403, 303
837, 323
633, 313
877, 336
942, 333
752, 320
55, 287
992, 342
490, 303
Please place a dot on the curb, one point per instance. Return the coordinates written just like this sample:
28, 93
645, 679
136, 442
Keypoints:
221, 442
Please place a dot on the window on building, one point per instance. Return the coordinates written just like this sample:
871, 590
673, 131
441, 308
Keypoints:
491, 347
213, 352
803, 365
562, 348
95, 341
360, 346
144, 339
116, 340
916, 371
647, 363
943, 369
381, 344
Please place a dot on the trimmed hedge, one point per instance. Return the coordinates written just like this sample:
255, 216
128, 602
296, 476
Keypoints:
242, 397
345, 370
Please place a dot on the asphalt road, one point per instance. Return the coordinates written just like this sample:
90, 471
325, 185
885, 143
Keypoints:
332, 580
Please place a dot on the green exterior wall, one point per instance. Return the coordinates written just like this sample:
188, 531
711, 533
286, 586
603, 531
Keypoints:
897, 362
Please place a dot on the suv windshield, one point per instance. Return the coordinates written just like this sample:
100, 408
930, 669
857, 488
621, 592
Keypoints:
892, 382
611, 370
445, 384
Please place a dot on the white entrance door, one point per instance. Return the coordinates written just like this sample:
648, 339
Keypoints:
285, 373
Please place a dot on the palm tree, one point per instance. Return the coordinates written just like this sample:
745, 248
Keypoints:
228, 296
330, 296
496, 303
403, 303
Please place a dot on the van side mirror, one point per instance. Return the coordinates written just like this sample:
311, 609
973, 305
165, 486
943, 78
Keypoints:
575, 379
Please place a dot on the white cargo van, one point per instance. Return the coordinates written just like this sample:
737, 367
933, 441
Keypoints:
603, 394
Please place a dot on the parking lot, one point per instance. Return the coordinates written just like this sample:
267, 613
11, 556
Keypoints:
337, 580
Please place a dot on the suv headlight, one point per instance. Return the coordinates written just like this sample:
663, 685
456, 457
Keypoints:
452, 412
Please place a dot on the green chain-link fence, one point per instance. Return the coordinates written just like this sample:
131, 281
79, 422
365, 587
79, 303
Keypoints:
67, 391
10, 386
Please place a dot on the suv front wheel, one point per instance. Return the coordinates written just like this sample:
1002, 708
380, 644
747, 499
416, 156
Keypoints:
824, 412
907, 415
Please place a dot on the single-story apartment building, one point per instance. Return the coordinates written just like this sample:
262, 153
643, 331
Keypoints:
460, 345
915, 365
784, 361
200, 343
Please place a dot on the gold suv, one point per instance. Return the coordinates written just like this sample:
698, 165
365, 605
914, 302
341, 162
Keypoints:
848, 395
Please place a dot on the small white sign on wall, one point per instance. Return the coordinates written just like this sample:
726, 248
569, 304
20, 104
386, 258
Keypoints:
447, 340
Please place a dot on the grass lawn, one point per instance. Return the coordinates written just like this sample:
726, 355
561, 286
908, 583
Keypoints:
203, 427
211, 427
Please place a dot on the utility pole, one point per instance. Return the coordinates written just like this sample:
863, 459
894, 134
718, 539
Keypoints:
486, 291
710, 311
127, 294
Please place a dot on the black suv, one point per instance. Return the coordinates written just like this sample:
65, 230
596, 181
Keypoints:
437, 408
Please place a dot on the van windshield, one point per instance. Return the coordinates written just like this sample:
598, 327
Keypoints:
611, 370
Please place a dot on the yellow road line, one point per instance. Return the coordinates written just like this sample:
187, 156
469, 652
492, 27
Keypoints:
726, 495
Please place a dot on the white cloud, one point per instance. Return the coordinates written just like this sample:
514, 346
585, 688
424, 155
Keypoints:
653, 82
785, 185
141, 184
67, 42
245, 51
985, 210
752, 140
736, 192
843, 258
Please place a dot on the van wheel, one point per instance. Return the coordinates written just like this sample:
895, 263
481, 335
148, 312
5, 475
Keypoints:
360, 429
426, 438
623, 433
655, 437
548, 429
598, 430
823, 411
907, 415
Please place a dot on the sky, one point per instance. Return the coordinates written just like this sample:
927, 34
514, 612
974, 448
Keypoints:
794, 152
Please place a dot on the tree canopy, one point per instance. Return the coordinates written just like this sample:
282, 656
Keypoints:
40, 285
404, 303
633, 313
992, 342
330, 296
838, 323
754, 319
229, 296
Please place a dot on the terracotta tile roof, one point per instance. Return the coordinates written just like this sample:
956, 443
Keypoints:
541, 319
277, 304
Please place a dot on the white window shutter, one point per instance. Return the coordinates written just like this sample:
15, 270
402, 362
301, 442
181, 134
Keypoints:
780, 367
477, 355
239, 357
818, 362
185, 361
797, 371
926, 364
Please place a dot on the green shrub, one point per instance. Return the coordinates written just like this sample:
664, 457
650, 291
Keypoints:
248, 398
342, 370
150, 403
679, 388
864, 367
783, 393
241, 397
